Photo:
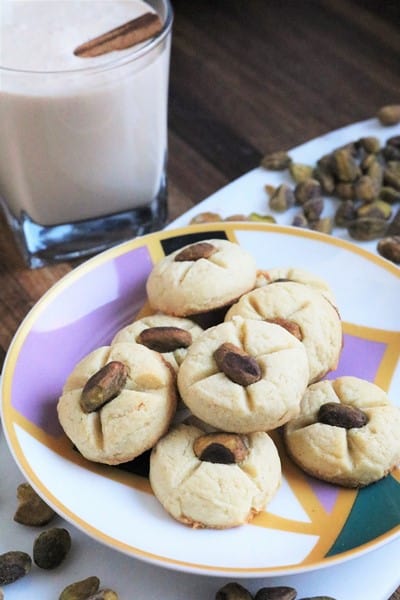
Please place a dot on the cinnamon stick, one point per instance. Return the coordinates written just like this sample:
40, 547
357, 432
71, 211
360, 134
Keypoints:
125, 36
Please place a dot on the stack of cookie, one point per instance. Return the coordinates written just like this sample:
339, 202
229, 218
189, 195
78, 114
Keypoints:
260, 368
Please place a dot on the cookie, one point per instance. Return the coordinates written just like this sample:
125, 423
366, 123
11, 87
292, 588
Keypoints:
215, 482
347, 432
266, 276
117, 402
303, 311
169, 335
256, 385
201, 277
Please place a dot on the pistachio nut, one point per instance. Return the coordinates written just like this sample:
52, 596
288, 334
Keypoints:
389, 247
325, 179
205, 217
276, 593
103, 386
324, 225
239, 367
276, 161
367, 161
80, 590
300, 220
51, 547
300, 172
367, 228
196, 252
223, 448
375, 171
342, 415
14, 565
366, 188
164, 339
325, 162
389, 194
263, 218
370, 143
344, 190
237, 217
291, 326
389, 115
391, 176
345, 213
233, 591
105, 594
32, 510
391, 152
269, 189
307, 190
377, 209
282, 198
344, 165
313, 208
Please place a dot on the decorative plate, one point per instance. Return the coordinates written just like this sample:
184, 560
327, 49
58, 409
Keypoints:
308, 524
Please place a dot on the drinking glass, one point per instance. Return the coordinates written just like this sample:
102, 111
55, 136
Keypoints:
83, 152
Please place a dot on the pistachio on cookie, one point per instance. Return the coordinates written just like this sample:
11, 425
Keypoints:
103, 386
200, 278
171, 336
214, 480
347, 432
117, 402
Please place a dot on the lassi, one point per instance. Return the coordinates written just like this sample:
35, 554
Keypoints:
80, 137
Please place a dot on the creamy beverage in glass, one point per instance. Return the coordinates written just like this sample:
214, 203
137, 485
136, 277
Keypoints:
83, 140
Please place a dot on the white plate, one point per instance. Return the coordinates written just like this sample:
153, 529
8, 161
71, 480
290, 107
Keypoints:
309, 524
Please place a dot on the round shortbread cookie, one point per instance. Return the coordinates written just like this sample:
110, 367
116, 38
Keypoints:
200, 493
304, 311
215, 398
351, 456
164, 340
137, 415
201, 277
266, 276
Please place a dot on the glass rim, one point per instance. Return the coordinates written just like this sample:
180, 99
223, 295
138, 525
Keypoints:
117, 61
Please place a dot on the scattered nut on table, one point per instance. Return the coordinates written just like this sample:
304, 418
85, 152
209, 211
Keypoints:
51, 547
14, 565
105, 594
276, 593
235, 591
32, 510
389, 115
362, 175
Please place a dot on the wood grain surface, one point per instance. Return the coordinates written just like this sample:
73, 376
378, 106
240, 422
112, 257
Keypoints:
248, 77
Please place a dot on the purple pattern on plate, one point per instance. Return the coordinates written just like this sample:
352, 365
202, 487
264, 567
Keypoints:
326, 494
360, 358
47, 357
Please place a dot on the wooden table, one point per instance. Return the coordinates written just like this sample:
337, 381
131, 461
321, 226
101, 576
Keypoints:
248, 77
